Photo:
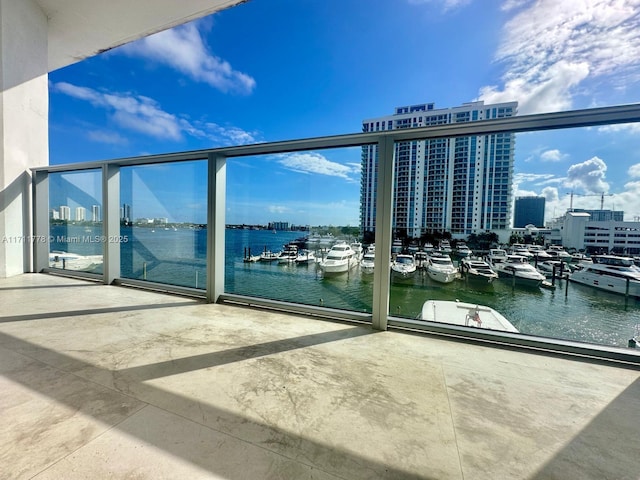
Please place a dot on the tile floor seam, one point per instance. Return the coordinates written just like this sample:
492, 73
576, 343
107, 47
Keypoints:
453, 424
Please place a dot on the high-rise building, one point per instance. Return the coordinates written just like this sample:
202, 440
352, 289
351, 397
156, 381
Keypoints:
81, 214
65, 212
460, 185
95, 213
602, 215
528, 211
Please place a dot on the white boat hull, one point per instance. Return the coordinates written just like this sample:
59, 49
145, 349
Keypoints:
442, 276
606, 283
465, 314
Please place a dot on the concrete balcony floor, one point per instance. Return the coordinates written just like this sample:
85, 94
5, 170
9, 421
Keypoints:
111, 382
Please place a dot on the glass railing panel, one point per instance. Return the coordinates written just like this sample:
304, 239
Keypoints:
569, 194
163, 215
76, 242
304, 203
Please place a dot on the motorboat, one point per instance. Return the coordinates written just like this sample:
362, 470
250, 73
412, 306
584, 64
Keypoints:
445, 247
463, 251
465, 314
289, 254
367, 263
341, 258
518, 269
305, 257
74, 261
422, 259
441, 268
497, 255
269, 256
477, 271
403, 266
558, 253
396, 246
523, 252
357, 249
610, 273
548, 267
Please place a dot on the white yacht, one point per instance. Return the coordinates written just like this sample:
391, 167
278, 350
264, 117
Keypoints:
357, 249
465, 314
558, 253
441, 268
305, 257
497, 255
610, 273
341, 258
463, 251
73, 261
519, 269
404, 266
477, 271
289, 254
367, 263
422, 259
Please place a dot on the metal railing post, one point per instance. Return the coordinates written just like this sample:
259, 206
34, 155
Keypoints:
216, 194
384, 219
40, 220
111, 222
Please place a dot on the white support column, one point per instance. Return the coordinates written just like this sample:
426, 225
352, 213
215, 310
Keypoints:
216, 198
384, 220
23, 125
111, 223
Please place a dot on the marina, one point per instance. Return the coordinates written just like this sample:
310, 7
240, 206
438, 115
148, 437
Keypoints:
571, 311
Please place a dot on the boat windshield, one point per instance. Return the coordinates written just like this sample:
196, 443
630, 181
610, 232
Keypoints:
440, 261
404, 260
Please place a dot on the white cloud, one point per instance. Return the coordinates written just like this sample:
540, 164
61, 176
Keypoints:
144, 115
445, 5
551, 47
588, 175
633, 128
314, 163
101, 136
634, 171
553, 155
184, 49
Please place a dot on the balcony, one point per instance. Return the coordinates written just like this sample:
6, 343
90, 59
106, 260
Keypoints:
110, 382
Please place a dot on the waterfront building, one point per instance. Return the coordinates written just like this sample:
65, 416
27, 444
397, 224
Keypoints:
460, 185
528, 211
81, 214
55, 214
280, 226
577, 230
65, 212
95, 213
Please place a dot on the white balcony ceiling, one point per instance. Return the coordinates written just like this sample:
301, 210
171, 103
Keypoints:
82, 28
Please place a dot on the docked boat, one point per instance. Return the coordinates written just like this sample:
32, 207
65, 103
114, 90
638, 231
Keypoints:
477, 271
422, 259
518, 269
441, 268
289, 254
465, 314
396, 246
340, 259
610, 273
404, 266
497, 255
445, 247
73, 261
367, 263
357, 249
558, 253
269, 256
523, 252
462, 251
305, 257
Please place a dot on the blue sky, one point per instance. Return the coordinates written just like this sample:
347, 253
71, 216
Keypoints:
285, 69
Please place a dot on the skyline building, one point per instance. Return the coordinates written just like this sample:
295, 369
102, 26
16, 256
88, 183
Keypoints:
528, 211
65, 212
95, 213
460, 185
81, 214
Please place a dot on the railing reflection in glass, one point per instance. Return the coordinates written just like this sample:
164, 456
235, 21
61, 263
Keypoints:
163, 214
75, 221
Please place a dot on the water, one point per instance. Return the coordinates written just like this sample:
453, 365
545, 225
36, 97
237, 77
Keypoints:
178, 257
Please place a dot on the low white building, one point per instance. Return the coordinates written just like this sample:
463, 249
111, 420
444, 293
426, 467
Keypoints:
578, 231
